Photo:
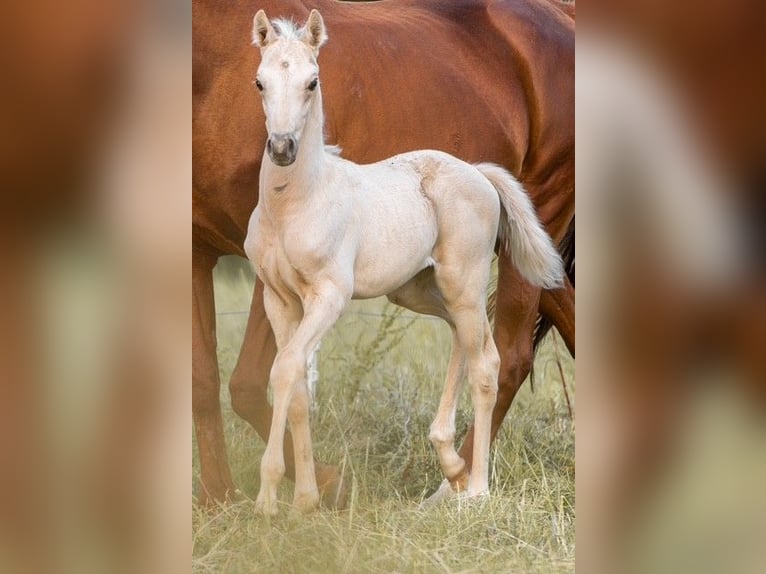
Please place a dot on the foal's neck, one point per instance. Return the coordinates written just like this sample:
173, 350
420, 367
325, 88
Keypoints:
295, 180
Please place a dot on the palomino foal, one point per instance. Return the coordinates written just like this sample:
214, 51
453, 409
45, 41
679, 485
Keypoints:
418, 227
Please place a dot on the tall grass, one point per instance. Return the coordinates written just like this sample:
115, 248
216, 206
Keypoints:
381, 374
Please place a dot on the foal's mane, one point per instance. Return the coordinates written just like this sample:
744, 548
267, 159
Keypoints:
287, 28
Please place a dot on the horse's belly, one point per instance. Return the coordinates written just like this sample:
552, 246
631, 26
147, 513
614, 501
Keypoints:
387, 265
397, 233
372, 283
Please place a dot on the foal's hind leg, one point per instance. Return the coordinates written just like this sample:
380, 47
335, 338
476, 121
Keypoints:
464, 293
517, 304
483, 368
422, 295
442, 432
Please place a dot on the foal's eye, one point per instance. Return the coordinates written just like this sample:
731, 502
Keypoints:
259, 85
312, 86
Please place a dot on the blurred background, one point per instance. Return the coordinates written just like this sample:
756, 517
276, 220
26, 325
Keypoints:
95, 158
670, 199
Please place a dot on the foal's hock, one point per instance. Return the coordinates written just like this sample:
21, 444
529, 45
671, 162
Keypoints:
419, 227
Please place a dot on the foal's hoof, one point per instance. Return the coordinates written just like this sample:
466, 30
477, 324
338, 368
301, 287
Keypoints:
448, 489
479, 495
333, 488
305, 503
265, 505
459, 483
466, 500
444, 492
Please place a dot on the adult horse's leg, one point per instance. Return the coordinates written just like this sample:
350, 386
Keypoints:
250, 378
217, 483
558, 306
248, 386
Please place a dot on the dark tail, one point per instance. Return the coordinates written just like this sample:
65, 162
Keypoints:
567, 251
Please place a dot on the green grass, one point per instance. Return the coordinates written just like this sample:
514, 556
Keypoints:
380, 381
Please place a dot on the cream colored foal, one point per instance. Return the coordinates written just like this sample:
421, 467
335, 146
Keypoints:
419, 227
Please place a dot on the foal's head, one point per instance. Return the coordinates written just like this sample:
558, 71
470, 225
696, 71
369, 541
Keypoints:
287, 79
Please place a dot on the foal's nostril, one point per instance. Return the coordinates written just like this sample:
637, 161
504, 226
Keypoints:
282, 148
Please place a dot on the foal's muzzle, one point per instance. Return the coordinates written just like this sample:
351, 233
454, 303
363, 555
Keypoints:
282, 149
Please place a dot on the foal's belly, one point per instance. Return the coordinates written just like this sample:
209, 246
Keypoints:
375, 279
395, 243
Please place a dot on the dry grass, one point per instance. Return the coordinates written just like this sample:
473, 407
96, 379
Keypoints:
380, 379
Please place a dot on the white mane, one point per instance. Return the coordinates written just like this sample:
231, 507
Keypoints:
286, 28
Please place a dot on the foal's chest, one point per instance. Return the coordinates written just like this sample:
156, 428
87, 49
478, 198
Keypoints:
290, 256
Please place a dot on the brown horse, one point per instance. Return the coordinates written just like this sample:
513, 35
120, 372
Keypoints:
508, 90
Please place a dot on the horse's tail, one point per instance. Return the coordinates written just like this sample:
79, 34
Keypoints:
521, 234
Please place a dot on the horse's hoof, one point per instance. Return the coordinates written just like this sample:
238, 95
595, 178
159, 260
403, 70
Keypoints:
475, 496
306, 502
333, 488
455, 487
210, 502
459, 483
444, 492
265, 505
466, 500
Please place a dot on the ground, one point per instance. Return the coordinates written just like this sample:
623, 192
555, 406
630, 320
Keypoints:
381, 373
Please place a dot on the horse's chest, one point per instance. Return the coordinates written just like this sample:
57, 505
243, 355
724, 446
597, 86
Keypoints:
291, 257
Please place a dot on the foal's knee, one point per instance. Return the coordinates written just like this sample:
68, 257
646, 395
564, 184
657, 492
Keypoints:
288, 369
484, 391
298, 410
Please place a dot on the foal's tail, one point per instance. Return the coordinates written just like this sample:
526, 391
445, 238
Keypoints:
523, 237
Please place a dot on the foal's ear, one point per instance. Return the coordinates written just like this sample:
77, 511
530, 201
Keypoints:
314, 33
263, 32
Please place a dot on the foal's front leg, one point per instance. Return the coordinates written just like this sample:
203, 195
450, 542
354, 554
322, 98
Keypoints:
284, 314
288, 375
